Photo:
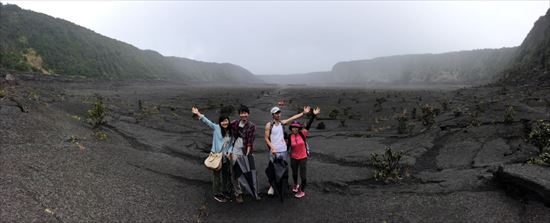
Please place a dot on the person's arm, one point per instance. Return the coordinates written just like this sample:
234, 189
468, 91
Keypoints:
203, 118
266, 137
297, 116
251, 138
316, 111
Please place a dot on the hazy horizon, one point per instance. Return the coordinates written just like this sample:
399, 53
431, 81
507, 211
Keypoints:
267, 37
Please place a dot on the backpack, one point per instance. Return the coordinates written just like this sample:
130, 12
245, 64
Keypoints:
285, 134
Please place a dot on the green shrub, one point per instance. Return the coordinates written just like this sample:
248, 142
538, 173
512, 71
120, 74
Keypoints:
543, 160
145, 110
540, 135
96, 115
227, 110
428, 115
503, 90
32, 95
321, 125
347, 111
75, 117
387, 166
445, 104
73, 139
343, 123
2, 93
479, 106
100, 135
379, 102
474, 121
457, 112
509, 115
334, 114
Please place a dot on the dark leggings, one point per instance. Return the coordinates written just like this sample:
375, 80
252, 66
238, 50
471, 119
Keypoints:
299, 166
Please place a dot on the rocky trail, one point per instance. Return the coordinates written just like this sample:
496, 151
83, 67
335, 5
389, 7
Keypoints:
149, 169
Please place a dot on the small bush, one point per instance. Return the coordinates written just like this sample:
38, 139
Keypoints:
428, 115
343, 123
445, 104
457, 112
100, 135
503, 91
509, 115
227, 110
347, 111
73, 139
174, 115
76, 117
540, 135
145, 110
2, 93
334, 114
96, 115
437, 111
543, 160
387, 166
479, 106
474, 121
379, 102
31, 95
321, 125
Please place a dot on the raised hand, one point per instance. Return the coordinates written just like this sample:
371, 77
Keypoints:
195, 111
316, 111
307, 109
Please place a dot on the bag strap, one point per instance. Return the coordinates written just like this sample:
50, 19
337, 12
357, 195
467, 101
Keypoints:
305, 141
303, 136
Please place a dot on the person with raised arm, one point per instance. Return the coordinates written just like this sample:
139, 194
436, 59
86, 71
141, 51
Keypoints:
276, 140
299, 150
221, 143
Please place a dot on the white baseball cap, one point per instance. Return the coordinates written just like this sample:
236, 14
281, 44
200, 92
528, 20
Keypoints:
275, 110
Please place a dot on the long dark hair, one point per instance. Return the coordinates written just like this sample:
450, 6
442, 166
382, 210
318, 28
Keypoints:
225, 131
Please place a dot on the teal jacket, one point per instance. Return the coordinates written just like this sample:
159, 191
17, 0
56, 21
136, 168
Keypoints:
217, 138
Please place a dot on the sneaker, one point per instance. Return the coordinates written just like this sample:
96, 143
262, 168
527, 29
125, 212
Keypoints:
300, 194
295, 188
227, 195
239, 199
220, 198
271, 191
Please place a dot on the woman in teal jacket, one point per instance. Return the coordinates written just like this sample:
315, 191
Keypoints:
221, 142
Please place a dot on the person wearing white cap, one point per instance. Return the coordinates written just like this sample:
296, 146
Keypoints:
275, 136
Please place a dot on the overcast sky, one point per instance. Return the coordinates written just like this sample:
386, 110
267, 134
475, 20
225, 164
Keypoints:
283, 37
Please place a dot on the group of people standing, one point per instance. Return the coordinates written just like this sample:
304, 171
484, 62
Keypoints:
235, 140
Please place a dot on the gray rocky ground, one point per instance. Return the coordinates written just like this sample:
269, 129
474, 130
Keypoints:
150, 169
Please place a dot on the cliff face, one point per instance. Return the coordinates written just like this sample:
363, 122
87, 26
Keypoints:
532, 59
472, 67
31, 41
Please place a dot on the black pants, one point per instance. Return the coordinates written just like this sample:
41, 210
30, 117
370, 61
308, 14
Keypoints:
299, 166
